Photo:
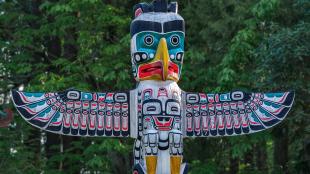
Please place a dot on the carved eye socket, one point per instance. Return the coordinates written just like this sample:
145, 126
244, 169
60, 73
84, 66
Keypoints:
175, 109
148, 40
175, 40
151, 108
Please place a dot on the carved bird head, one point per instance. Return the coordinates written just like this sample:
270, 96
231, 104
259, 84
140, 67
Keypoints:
157, 41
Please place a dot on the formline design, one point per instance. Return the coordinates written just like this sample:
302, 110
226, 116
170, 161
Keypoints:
158, 114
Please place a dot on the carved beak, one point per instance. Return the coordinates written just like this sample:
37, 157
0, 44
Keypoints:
163, 55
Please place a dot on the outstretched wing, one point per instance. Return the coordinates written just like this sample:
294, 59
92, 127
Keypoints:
77, 113
235, 113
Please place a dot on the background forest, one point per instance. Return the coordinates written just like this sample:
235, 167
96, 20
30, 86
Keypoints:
252, 45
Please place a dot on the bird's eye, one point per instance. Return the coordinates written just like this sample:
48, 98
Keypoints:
175, 40
148, 40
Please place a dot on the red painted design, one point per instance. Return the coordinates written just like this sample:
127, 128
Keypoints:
25, 99
162, 92
228, 121
67, 118
197, 124
163, 125
217, 98
205, 122
189, 124
173, 69
75, 121
147, 91
110, 97
284, 97
117, 123
109, 122
203, 97
100, 122
150, 69
83, 120
278, 110
92, 122
236, 121
94, 96
124, 123
213, 122
138, 12
221, 122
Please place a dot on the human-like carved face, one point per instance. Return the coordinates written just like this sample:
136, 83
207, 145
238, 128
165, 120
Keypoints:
157, 46
161, 109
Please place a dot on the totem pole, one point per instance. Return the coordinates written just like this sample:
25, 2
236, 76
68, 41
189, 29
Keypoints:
158, 114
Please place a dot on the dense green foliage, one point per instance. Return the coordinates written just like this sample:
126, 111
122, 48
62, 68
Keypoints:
253, 45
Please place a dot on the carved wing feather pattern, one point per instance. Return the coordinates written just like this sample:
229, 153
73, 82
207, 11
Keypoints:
76, 113
235, 113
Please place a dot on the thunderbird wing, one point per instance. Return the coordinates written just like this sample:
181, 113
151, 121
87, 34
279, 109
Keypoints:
76, 113
233, 113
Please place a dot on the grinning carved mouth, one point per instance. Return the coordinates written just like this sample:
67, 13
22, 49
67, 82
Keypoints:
163, 122
163, 119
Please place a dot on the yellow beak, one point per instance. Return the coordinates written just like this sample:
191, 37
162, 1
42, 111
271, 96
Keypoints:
163, 55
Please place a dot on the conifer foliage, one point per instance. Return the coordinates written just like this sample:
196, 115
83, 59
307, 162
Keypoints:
53, 45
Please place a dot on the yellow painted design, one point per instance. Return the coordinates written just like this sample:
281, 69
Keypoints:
175, 164
174, 77
151, 163
163, 55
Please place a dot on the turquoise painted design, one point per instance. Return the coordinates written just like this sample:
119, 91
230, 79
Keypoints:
121, 114
35, 105
78, 115
147, 42
28, 94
